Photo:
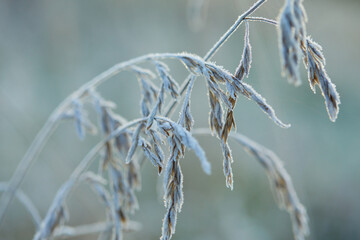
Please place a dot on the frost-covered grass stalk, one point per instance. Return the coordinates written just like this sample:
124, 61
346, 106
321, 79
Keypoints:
125, 143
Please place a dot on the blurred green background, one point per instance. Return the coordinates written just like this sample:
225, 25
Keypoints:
50, 48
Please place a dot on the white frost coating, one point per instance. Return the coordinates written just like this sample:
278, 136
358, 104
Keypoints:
134, 144
315, 63
189, 141
245, 63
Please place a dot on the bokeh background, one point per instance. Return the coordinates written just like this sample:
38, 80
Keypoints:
50, 48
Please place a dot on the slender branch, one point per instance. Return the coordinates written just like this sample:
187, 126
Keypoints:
232, 29
262, 19
64, 232
26, 201
51, 124
87, 160
53, 121
214, 49
25, 163
66, 188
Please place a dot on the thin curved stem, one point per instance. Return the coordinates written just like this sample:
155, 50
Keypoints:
25, 163
52, 123
232, 29
92, 153
262, 19
26, 201
66, 188
214, 49
65, 232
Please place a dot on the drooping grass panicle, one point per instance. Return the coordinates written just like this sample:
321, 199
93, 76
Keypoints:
239, 87
155, 158
173, 180
215, 115
123, 191
186, 120
134, 143
228, 160
291, 30
281, 183
98, 183
156, 142
149, 90
56, 213
301, 18
244, 67
169, 83
315, 64
127, 140
173, 193
156, 108
229, 124
123, 201
214, 75
179, 138
111, 203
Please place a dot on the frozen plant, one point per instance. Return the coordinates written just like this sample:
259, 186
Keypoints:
126, 142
